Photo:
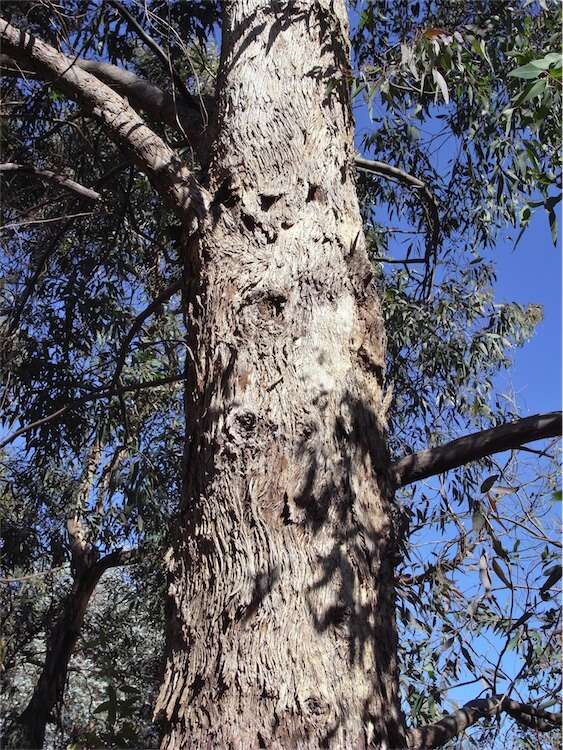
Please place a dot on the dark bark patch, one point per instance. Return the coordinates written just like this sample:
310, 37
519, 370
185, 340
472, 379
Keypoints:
329, 736
269, 304
246, 420
263, 585
197, 686
277, 303
249, 221
267, 201
286, 512
316, 707
316, 193
227, 194
252, 224
225, 622
370, 364
336, 615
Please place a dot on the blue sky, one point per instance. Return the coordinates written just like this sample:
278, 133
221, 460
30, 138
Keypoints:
532, 274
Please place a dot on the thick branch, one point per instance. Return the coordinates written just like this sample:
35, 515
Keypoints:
47, 174
472, 447
29, 729
436, 735
117, 558
170, 177
144, 96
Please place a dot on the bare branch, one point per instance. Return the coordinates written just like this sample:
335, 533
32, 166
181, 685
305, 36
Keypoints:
114, 559
171, 178
117, 558
436, 735
50, 220
142, 95
29, 576
154, 47
383, 169
47, 174
472, 447
429, 205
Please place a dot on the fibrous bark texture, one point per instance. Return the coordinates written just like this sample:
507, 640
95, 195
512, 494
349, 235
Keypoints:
281, 615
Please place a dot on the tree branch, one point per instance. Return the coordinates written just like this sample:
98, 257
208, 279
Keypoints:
472, 447
172, 179
47, 174
105, 391
159, 105
429, 205
28, 730
386, 170
154, 47
164, 296
117, 558
436, 735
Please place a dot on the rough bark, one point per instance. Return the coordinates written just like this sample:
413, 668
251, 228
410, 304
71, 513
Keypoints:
281, 600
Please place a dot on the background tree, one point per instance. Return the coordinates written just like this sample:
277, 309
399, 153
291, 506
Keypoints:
97, 341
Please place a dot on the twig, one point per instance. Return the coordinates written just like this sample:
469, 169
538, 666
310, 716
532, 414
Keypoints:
48, 174
154, 47
429, 205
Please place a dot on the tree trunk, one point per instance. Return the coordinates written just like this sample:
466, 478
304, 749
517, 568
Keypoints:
28, 731
281, 619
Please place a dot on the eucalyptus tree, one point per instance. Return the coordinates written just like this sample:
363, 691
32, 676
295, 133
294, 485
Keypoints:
220, 216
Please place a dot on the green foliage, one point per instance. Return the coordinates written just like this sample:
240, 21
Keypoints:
441, 69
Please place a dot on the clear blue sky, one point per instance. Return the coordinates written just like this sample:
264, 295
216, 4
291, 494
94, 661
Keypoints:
532, 274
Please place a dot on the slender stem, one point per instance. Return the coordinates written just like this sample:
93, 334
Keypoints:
48, 174
105, 391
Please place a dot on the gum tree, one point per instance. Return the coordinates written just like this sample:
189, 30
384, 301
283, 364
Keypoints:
281, 624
